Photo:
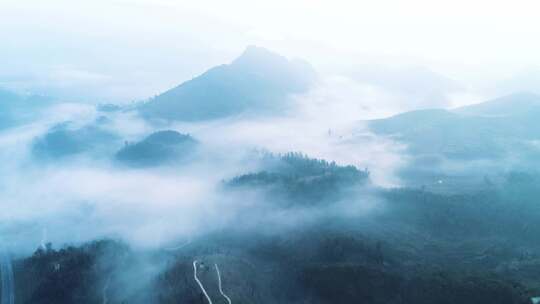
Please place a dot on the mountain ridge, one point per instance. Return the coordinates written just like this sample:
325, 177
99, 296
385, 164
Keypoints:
492, 129
513, 104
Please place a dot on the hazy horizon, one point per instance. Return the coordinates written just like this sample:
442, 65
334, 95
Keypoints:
121, 51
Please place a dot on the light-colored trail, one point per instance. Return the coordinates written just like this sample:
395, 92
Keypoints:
6, 270
219, 284
198, 282
179, 246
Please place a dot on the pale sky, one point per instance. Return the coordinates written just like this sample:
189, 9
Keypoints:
128, 49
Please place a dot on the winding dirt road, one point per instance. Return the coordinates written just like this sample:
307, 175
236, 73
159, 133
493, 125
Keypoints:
198, 282
219, 282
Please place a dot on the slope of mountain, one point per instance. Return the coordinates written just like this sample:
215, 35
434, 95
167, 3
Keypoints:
258, 80
488, 130
158, 148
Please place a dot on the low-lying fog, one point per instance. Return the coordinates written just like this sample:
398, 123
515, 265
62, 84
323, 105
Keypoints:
88, 195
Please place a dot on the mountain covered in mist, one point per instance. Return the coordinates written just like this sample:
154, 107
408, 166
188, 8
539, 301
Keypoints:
157, 148
67, 139
99, 139
257, 81
19, 108
493, 129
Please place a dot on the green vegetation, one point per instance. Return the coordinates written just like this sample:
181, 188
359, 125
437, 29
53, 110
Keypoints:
69, 275
296, 178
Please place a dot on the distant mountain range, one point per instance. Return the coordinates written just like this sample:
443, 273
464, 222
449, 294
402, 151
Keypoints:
496, 128
417, 85
257, 81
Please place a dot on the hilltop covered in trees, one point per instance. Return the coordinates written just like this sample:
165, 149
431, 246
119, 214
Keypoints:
296, 178
157, 148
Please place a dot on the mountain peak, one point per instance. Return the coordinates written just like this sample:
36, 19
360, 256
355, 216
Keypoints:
257, 81
255, 56
254, 50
